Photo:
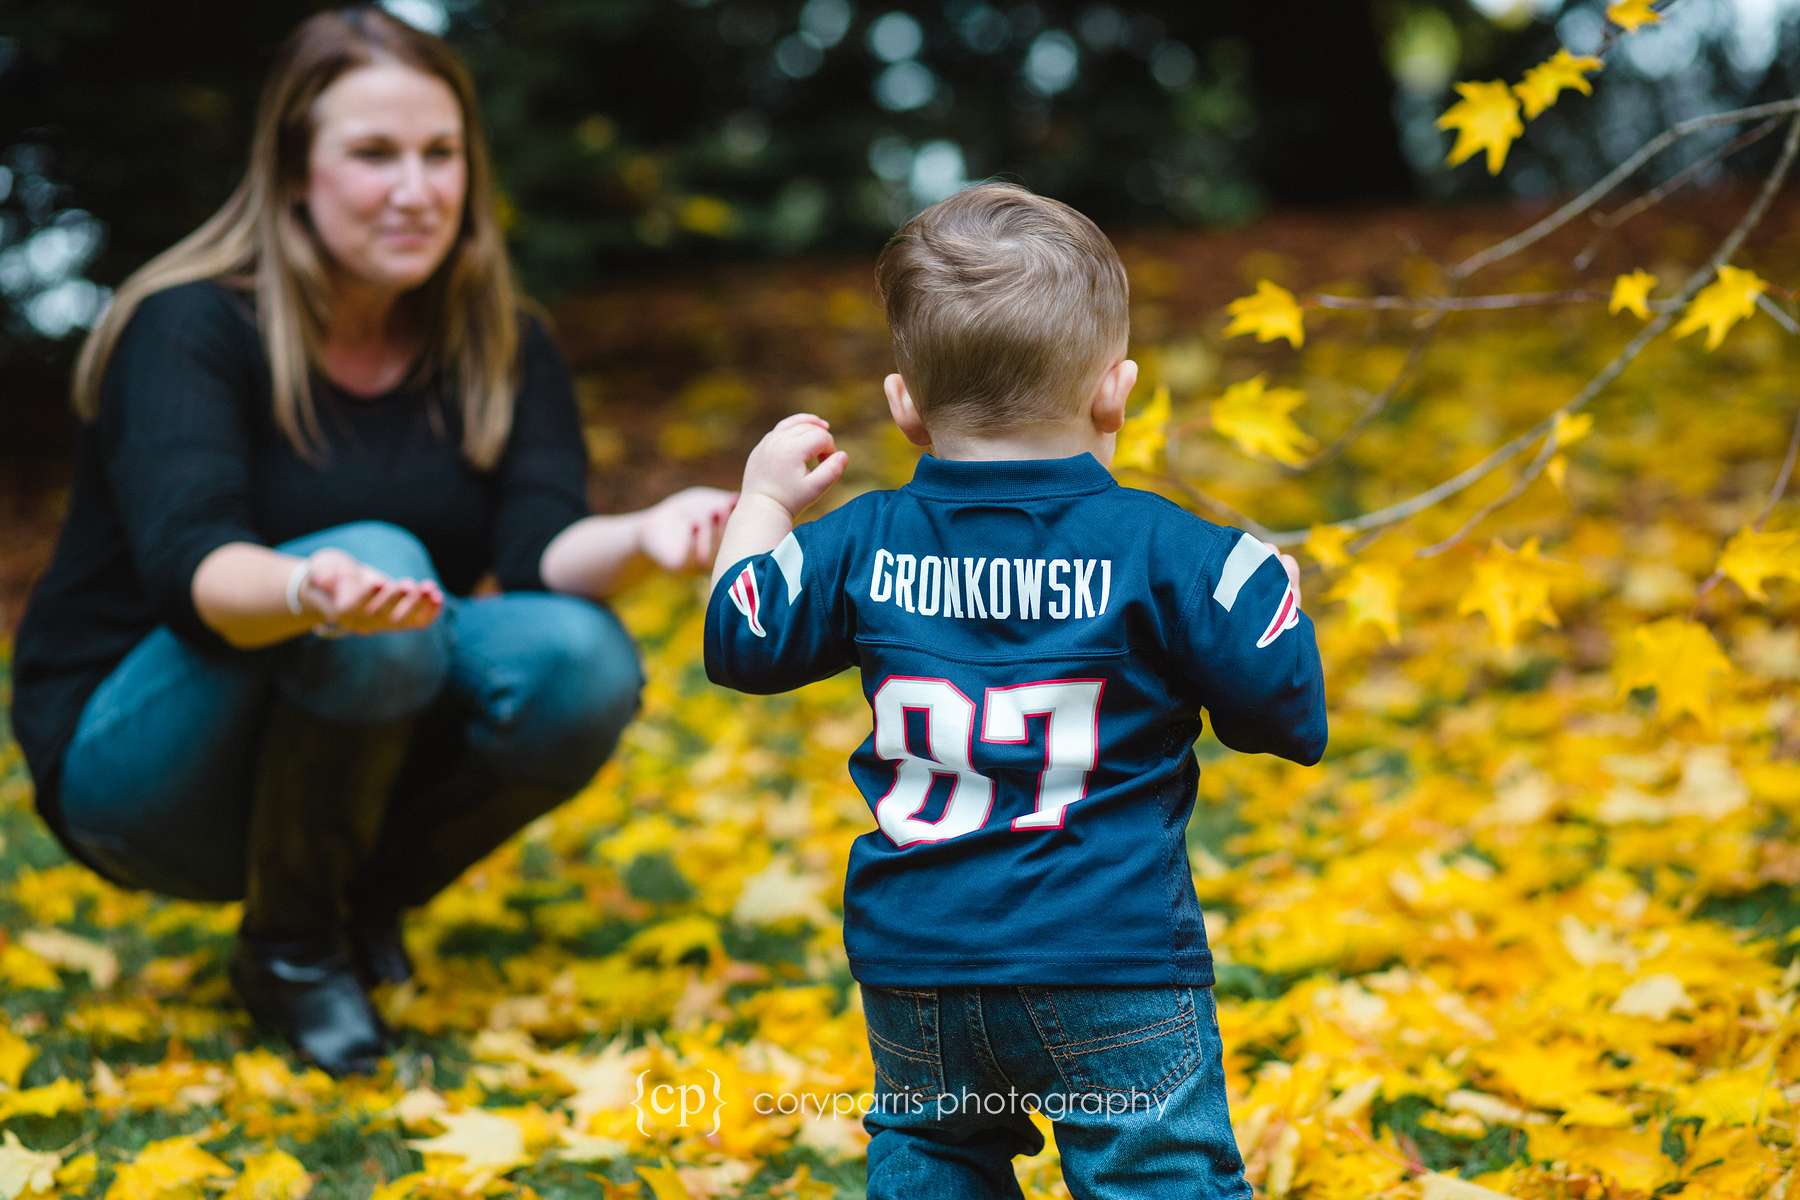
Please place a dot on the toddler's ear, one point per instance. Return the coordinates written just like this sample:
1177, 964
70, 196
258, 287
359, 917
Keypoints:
905, 414
1109, 398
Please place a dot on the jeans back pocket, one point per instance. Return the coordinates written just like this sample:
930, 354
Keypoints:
1139, 1042
903, 1040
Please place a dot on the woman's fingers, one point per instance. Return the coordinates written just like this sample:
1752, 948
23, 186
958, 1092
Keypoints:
706, 543
411, 599
352, 592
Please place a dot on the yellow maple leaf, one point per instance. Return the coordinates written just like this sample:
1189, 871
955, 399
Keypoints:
1549, 79
1653, 996
275, 1175
1632, 1158
1557, 469
1512, 587
1752, 556
1256, 419
24, 1171
1740, 1096
74, 953
1434, 1186
77, 1175
1142, 441
22, 970
1566, 430
164, 1167
670, 941
664, 1183
1591, 1108
1371, 592
1271, 313
1677, 657
15, 1055
1631, 15
63, 1096
1721, 304
1631, 293
480, 1139
1486, 118
1325, 543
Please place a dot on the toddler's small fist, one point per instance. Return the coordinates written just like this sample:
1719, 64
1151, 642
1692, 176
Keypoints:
778, 468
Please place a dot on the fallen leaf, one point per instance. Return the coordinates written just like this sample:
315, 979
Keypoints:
25, 1172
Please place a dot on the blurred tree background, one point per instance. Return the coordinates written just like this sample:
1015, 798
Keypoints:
633, 135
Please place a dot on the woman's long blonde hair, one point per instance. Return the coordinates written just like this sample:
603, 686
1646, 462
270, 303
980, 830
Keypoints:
467, 310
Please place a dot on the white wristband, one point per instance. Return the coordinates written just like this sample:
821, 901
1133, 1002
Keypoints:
296, 581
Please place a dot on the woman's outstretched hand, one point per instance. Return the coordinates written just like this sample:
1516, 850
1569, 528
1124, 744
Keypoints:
353, 597
682, 532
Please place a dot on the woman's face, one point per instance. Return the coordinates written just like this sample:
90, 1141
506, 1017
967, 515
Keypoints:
386, 174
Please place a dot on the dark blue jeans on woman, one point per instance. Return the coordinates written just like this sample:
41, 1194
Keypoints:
520, 698
1131, 1078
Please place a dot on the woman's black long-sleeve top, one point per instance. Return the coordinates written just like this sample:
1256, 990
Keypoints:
185, 456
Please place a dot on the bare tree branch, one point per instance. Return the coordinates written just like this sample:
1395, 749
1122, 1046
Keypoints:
1200, 499
1610, 222
1779, 313
1457, 303
1378, 402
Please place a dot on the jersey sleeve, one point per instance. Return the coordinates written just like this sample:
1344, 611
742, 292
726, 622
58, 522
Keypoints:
1252, 654
778, 620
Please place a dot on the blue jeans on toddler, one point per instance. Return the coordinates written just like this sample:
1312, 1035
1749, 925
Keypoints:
516, 700
1131, 1078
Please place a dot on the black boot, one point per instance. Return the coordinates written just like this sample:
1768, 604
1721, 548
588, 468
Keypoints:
307, 992
321, 790
450, 810
377, 949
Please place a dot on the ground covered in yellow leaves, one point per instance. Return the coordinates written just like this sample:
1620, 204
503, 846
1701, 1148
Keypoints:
1532, 927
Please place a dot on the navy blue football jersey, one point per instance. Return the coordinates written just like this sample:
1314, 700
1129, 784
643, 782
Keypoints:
1036, 645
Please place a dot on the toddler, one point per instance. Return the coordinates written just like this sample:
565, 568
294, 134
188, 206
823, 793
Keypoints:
1036, 644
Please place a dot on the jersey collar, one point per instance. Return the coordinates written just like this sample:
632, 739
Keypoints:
1015, 478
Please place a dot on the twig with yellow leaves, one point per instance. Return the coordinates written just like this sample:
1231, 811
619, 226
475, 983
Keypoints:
1580, 204
1611, 371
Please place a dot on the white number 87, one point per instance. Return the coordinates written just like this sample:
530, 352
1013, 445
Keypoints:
1071, 708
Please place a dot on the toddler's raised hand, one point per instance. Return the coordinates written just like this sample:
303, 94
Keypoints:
778, 468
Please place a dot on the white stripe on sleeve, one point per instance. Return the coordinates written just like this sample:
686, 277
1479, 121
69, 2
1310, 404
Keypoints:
790, 558
1240, 565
